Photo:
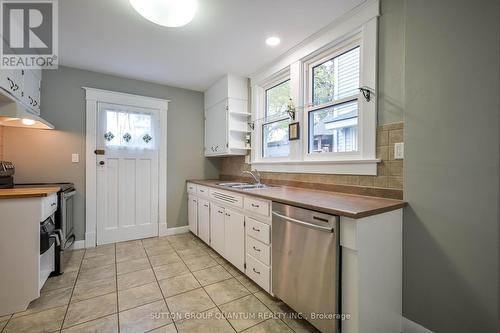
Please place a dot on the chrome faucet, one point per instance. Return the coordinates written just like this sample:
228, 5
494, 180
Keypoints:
255, 175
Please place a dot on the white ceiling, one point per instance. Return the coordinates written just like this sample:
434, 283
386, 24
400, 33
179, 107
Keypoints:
226, 36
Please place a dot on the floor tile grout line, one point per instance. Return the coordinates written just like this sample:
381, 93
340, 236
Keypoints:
72, 291
159, 287
117, 300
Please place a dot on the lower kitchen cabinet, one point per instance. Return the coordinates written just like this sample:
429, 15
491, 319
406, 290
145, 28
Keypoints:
217, 228
193, 214
204, 220
235, 239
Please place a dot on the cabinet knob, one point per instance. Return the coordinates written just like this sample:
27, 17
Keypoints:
102, 162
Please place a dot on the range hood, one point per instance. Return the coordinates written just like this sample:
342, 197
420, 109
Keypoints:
15, 114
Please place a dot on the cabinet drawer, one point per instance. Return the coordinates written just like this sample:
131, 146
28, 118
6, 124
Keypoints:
258, 272
202, 190
258, 230
191, 188
259, 250
257, 206
49, 206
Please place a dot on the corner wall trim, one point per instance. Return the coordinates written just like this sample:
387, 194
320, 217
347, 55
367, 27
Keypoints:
176, 231
80, 244
412, 327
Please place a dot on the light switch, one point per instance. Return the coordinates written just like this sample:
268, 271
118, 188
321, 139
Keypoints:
75, 158
399, 151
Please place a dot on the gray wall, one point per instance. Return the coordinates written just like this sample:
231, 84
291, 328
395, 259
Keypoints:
46, 155
452, 165
391, 62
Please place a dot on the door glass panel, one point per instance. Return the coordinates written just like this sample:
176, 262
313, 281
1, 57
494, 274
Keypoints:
129, 130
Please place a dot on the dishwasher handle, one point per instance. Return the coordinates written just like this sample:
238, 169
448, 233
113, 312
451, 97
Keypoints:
305, 224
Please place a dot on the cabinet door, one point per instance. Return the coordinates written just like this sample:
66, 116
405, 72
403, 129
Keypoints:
11, 80
235, 239
216, 135
217, 235
193, 214
204, 220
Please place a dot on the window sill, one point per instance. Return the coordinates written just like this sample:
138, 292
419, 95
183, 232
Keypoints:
366, 167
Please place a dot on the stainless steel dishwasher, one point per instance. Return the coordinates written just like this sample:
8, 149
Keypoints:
305, 260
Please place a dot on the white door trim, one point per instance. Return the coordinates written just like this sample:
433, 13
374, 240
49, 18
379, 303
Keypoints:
93, 97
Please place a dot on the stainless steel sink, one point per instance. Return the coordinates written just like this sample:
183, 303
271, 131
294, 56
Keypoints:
243, 186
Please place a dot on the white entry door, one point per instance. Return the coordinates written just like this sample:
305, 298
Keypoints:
127, 173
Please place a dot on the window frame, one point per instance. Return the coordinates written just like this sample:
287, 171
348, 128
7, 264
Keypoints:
274, 119
361, 28
309, 65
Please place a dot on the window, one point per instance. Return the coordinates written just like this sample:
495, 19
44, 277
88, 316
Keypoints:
129, 130
333, 117
337, 123
275, 125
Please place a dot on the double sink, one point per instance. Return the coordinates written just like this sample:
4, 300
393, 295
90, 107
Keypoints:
244, 186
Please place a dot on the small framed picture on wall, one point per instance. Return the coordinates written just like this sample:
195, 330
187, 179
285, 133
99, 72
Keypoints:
293, 131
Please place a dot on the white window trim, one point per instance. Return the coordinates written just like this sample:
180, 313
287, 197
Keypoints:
361, 23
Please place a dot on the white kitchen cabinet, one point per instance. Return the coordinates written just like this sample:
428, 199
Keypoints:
204, 220
216, 139
23, 85
217, 227
226, 117
235, 238
31, 90
11, 80
193, 214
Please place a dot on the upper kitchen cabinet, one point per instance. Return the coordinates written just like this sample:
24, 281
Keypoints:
226, 117
24, 86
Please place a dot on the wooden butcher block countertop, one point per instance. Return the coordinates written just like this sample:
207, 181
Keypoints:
27, 192
354, 206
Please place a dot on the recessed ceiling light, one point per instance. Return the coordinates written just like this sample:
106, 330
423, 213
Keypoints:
168, 13
273, 41
28, 122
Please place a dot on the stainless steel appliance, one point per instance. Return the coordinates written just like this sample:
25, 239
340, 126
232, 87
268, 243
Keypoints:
305, 264
7, 171
64, 220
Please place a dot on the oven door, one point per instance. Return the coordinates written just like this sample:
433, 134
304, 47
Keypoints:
67, 218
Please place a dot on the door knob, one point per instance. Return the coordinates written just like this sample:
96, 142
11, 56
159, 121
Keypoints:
101, 163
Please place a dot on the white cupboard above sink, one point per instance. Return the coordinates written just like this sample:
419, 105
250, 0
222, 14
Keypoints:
226, 117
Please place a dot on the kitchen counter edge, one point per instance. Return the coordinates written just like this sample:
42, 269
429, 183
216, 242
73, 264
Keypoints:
383, 204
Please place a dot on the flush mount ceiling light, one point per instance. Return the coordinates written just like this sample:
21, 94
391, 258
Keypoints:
273, 41
168, 13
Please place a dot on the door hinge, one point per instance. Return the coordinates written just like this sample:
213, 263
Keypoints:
245, 265
245, 223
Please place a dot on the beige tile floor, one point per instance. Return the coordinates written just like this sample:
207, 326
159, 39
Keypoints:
169, 284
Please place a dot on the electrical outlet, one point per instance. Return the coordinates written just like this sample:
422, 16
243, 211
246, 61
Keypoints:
399, 151
75, 158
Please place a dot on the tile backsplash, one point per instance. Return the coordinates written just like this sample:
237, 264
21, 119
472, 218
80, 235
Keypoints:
388, 182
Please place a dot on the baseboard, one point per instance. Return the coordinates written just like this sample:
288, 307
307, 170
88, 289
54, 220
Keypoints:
162, 229
90, 240
412, 327
176, 231
80, 244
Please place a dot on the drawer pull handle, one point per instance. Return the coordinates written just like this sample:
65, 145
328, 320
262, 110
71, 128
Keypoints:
53, 204
255, 271
206, 206
255, 206
256, 249
254, 229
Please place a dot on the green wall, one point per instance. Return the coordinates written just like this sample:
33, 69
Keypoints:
451, 227
46, 155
